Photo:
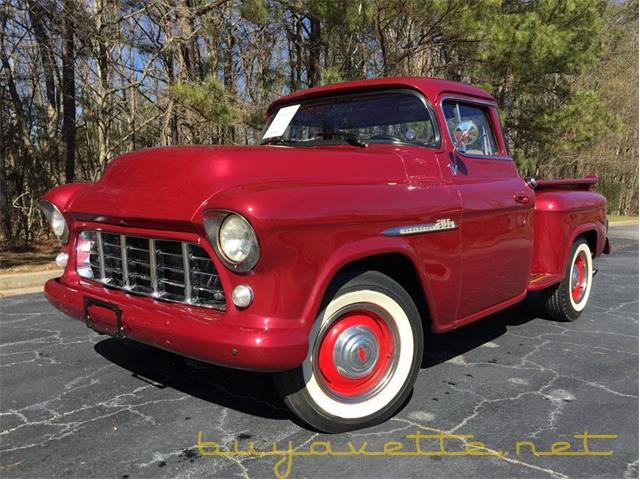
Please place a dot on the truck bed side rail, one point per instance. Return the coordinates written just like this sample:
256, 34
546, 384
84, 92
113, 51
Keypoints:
585, 183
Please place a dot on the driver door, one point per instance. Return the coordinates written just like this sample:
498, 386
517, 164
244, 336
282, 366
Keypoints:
497, 211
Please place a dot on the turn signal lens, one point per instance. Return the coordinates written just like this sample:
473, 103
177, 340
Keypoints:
242, 296
61, 259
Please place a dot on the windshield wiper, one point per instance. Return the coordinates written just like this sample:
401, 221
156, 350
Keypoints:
351, 138
277, 140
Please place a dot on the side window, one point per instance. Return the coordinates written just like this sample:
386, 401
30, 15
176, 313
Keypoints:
483, 139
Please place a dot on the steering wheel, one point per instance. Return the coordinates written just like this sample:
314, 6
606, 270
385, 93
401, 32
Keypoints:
384, 136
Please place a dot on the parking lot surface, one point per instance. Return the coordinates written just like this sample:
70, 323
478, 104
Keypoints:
76, 404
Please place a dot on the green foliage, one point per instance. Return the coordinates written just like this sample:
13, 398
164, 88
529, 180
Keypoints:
256, 11
207, 98
612, 189
564, 74
529, 61
576, 124
332, 75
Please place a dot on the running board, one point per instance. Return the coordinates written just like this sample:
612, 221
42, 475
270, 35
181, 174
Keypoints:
539, 281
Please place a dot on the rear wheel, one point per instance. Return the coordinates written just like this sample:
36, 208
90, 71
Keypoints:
364, 355
566, 300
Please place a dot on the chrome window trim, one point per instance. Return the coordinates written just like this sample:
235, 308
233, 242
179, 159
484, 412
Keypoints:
371, 92
482, 103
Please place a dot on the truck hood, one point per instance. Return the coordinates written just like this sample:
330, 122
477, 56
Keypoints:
172, 184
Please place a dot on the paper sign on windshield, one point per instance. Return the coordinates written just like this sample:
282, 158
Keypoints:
281, 121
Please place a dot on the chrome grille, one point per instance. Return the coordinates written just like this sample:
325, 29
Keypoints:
164, 269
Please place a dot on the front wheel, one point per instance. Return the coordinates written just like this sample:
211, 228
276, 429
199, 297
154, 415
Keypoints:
566, 300
364, 355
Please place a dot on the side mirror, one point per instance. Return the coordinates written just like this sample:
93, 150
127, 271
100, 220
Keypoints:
466, 133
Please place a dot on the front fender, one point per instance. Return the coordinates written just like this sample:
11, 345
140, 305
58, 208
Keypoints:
63, 195
307, 233
356, 251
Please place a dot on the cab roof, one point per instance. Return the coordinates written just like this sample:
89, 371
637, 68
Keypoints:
429, 87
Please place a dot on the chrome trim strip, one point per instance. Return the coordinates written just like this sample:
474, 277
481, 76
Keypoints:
187, 272
439, 225
125, 261
468, 99
153, 266
101, 255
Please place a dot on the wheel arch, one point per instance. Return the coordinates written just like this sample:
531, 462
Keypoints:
397, 265
587, 231
591, 236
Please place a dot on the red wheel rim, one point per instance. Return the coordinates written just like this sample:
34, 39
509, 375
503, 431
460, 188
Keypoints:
356, 355
579, 278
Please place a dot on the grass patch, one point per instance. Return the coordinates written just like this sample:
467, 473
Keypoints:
622, 218
36, 258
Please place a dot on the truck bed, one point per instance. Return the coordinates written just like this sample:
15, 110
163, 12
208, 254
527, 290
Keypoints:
564, 210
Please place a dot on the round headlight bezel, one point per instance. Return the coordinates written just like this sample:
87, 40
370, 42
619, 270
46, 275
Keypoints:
214, 225
58, 223
53, 214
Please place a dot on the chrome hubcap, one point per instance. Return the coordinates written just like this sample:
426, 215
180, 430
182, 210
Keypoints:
579, 278
355, 352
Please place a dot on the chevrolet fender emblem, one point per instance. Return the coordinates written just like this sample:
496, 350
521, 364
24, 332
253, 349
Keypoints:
438, 225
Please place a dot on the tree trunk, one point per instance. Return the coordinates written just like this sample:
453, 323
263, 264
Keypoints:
69, 90
36, 16
315, 49
5, 218
229, 77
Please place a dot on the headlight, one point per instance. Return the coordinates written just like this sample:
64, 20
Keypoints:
57, 223
234, 240
56, 220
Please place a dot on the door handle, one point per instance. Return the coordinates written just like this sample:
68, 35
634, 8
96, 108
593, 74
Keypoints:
521, 197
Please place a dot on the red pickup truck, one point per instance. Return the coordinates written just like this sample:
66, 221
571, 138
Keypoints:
369, 212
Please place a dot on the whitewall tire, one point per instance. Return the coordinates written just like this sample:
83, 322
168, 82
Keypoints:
566, 300
364, 355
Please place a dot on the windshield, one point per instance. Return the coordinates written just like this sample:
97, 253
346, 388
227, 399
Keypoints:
384, 117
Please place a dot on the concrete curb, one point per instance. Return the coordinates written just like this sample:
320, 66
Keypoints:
21, 291
19, 281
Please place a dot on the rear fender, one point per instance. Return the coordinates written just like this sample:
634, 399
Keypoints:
578, 231
560, 217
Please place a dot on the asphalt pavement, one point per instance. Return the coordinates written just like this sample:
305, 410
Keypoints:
76, 404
